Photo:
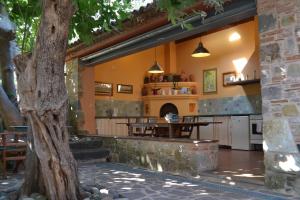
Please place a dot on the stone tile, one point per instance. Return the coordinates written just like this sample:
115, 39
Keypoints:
231, 105
267, 22
270, 53
147, 185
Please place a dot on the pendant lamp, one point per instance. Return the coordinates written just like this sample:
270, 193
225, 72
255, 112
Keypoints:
200, 51
155, 68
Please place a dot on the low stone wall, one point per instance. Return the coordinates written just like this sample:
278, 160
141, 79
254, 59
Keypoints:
184, 157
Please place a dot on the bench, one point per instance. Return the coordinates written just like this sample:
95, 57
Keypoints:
12, 148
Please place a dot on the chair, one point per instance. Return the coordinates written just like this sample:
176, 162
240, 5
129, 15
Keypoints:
13, 148
150, 128
187, 130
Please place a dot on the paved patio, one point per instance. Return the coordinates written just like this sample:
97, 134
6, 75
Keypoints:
136, 183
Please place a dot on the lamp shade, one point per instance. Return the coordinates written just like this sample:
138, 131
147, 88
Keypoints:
155, 69
200, 51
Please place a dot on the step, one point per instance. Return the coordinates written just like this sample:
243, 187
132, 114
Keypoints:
90, 154
93, 144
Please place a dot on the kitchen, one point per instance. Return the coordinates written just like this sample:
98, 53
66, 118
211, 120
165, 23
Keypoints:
223, 87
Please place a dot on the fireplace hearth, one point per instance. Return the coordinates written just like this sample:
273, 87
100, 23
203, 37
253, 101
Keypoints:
168, 108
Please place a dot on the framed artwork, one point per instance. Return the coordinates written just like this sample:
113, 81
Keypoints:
128, 89
228, 77
209, 81
104, 89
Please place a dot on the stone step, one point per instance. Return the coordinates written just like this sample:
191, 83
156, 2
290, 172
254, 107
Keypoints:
92, 144
91, 154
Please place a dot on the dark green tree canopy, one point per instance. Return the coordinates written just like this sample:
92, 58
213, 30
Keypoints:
91, 15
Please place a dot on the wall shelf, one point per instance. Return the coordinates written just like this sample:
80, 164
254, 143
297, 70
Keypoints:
171, 84
245, 82
169, 97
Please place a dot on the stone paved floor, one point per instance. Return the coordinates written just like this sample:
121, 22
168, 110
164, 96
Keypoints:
140, 184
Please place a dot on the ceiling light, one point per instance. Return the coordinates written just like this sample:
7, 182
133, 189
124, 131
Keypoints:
200, 51
156, 68
234, 37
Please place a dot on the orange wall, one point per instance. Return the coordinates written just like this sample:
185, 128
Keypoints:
87, 98
128, 70
222, 53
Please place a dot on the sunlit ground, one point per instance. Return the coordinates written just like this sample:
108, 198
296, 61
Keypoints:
136, 183
245, 166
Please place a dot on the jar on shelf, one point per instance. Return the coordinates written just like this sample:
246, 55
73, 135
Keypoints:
144, 91
194, 90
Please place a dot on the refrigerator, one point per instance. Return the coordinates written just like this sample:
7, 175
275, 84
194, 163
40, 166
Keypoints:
240, 134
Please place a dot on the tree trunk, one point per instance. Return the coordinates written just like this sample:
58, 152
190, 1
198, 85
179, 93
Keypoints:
9, 111
7, 52
8, 49
43, 100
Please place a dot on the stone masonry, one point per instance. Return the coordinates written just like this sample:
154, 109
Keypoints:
183, 157
75, 114
279, 30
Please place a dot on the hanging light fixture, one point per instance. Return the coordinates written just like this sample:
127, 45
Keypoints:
200, 51
155, 68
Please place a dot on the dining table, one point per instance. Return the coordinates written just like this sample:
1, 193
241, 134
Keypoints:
171, 126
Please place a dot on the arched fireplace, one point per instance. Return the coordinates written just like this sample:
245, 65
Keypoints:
168, 108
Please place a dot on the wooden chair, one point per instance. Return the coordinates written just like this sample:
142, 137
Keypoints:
187, 130
150, 128
13, 148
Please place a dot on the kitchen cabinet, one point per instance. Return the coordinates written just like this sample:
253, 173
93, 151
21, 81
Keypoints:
240, 132
109, 127
233, 131
223, 131
206, 132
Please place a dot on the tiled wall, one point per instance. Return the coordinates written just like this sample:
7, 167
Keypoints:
228, 105
118, 108
231, 105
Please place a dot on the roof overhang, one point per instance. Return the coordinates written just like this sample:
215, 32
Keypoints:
236, 11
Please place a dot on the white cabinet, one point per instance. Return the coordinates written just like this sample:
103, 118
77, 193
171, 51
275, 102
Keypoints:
206, 132
222, 131
240, 132
109, 127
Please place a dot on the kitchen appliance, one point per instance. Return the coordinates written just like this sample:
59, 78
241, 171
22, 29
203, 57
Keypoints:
240, 138
256, 129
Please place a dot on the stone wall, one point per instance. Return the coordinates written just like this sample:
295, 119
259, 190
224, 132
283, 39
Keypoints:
75, 114
279, 27
182, 157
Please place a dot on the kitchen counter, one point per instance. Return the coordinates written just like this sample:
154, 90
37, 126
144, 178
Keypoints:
226, 115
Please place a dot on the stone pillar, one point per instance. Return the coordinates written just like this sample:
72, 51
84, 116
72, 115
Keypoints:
279, 30
75, 114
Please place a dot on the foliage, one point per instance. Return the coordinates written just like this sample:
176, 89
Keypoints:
26, 15
103, 15
91, 16
175, 9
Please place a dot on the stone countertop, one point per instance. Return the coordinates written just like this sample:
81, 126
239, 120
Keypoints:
224, 115
122, 117
159, 139
210, 115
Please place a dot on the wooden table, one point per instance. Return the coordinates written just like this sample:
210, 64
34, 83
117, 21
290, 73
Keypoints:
171, 126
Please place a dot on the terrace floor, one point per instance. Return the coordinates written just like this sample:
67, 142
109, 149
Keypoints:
141, 184
246, 166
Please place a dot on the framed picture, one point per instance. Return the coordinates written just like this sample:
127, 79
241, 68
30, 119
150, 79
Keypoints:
105, 89
128, 89
228, 77
209, 81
